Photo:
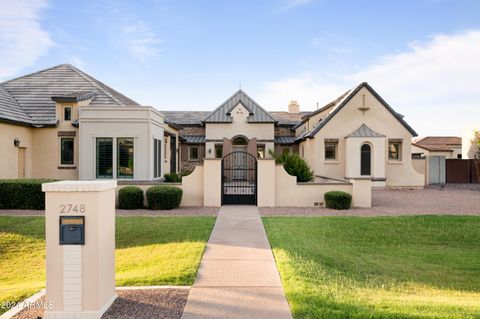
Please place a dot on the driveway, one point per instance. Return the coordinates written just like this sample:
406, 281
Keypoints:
449, 200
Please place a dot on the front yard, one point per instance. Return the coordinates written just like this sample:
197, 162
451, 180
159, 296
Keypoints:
379, 267
149, 251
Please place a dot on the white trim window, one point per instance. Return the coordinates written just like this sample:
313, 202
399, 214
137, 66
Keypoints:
125, 157
104, 157
67, 151
193, 153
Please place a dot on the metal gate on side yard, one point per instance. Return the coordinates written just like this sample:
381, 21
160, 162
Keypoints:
436, 170
461, 171
239, 179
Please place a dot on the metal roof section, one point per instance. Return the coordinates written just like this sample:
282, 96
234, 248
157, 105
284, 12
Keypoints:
365, 131
222, 113
348, 97
193, 139
284, 140
34, 92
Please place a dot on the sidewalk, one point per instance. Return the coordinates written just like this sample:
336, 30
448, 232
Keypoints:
238, 277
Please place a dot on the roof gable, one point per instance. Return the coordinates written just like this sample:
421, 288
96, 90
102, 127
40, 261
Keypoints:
222, 113
34, 92
348, 97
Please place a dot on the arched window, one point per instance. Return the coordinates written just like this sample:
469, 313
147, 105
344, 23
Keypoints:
366, 160
239, 141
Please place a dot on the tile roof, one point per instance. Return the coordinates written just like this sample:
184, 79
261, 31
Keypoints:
438, 143
222, 113
286, 118
185, 117
364, 131
33, 94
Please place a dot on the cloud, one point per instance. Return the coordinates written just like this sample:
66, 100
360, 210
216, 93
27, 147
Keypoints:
290, 4
140, 40
434, 83
22, 38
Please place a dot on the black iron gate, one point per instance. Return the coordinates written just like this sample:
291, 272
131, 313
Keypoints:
239, 179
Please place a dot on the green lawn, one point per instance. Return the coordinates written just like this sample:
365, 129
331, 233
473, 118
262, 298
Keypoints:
382, 267
150, 251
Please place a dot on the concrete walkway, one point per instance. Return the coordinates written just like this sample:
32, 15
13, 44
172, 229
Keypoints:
238, 277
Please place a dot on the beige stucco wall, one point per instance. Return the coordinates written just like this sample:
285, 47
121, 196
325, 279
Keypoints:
379, 119
212, 182
9, 165
141, 123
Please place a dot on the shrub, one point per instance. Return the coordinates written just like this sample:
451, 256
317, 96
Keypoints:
22, 193
295, 166
164, 197
338, 200
130, 197
173, 178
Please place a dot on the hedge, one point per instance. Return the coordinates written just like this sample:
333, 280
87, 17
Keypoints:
22, 193
164, 197
294, 165
173, 178
130, 197
338, 200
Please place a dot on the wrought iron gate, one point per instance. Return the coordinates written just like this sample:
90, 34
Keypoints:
239, 179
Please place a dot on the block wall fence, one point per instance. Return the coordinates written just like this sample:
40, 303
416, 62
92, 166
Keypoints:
275, 187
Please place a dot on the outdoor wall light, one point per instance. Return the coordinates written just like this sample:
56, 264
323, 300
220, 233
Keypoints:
16, 142
209, 151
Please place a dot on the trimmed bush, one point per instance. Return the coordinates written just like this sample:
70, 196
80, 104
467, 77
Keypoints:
130, 197
164, 197
173, 178
22, 193
338, 200
295, 166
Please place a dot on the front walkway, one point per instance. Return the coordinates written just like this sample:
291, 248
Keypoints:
238, 277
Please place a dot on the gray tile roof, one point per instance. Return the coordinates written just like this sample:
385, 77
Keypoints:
33, 93
193, 139
185, 117
10, 110
365, 131
222, 113
284, 139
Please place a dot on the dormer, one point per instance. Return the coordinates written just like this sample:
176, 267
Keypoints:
66, 107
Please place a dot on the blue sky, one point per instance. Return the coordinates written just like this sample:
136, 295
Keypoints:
422, 56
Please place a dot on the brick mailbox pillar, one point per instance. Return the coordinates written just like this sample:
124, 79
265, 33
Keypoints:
80, 240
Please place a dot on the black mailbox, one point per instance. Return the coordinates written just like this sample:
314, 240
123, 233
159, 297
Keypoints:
72, 230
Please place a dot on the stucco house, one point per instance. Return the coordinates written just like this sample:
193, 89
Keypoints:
62, 123
448, 146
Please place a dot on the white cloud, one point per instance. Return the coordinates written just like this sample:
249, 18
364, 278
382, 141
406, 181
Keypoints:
140, 40
22, 38
436, 84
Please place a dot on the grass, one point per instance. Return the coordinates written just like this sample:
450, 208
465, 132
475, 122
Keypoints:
149, 251
381, 267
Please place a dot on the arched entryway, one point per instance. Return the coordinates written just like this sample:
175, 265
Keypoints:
366, 160
239, 179
239, 144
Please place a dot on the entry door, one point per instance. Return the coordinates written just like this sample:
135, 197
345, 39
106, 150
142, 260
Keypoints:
21, 162
366, 160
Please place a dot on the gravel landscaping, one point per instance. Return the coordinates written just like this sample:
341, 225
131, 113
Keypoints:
161, 303
182, 211
448, 200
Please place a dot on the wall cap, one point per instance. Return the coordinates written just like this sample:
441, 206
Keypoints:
79, 186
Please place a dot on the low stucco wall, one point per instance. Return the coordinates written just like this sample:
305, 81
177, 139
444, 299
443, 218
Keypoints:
192, 186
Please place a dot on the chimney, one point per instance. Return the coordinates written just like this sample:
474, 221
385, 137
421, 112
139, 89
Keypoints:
293, 107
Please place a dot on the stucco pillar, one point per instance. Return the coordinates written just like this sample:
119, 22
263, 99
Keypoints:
212, 182
252, 147
362, 192
80, 240
266, 182
227, 146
